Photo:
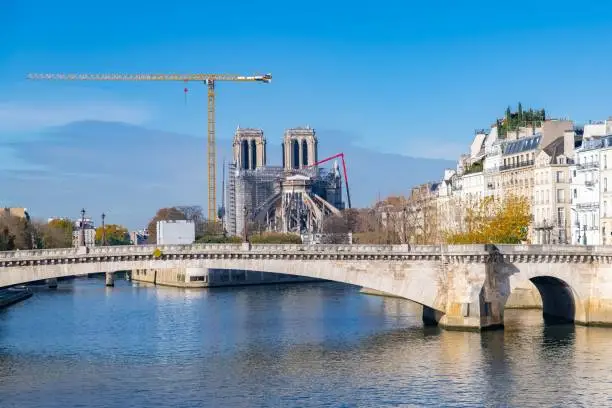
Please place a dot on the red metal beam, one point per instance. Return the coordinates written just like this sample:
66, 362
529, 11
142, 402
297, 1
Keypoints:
341, 155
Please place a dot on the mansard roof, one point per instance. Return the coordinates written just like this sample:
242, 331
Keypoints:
521, 145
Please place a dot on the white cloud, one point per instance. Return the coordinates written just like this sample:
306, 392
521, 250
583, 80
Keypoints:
28, 117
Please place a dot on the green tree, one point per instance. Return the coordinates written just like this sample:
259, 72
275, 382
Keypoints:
115, 235
275, 238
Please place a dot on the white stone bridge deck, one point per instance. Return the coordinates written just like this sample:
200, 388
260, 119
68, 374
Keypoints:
461, 286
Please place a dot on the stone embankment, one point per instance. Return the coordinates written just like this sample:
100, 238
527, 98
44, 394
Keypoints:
11, 296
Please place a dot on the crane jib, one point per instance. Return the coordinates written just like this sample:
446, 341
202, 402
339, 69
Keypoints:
153, 77
210, 79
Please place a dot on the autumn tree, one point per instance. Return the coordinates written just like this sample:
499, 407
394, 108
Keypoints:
495, 221
115, 235
17, 233
57, 233
7, 239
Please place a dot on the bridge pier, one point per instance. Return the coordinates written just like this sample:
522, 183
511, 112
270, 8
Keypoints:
51, 283
110, 278
431, 317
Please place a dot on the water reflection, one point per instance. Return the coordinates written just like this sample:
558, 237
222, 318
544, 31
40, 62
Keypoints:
282, 345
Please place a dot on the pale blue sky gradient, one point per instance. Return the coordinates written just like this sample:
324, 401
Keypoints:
411, 78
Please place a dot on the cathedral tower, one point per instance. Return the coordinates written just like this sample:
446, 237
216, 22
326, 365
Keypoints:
299, 148
249, 149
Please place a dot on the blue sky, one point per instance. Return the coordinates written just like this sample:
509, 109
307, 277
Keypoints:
411, 78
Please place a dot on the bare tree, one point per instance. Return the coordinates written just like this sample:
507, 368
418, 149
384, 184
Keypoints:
163, 214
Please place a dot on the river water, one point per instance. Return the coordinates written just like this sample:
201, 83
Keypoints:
292, 345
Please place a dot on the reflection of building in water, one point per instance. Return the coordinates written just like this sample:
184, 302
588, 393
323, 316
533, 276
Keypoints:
295, 197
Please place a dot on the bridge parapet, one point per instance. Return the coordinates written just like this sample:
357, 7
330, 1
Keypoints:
577, 252
454, 251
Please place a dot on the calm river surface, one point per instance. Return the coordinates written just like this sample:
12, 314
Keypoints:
287, 346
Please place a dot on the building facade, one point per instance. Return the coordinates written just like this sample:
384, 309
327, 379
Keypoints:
552, 198
295, 197
84, 229
585, 193
605, 170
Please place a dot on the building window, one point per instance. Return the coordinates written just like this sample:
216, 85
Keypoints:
559, 177
605, 208
560, 196
560, 217
605, 184
605, 161
575, 193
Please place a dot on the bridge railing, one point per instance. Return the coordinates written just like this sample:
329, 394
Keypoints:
300, 248
216, 248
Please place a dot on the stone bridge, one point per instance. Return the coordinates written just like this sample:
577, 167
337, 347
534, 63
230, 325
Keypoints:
459, 286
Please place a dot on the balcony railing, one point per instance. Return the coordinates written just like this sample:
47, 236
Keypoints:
588, 165
588, 206
589, 183
518, 165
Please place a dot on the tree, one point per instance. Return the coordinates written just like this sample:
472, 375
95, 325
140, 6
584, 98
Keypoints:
7, 239
275, 238
57, 233
17, 232
493, 221
196, 214
115, 235
163, 214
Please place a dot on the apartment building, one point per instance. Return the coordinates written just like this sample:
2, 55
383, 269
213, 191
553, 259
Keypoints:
552, 195
605, 171
586, 193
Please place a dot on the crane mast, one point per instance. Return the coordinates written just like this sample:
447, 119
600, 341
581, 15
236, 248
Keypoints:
208, 79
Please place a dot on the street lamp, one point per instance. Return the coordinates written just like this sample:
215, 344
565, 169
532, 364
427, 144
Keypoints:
82, 234
103, 230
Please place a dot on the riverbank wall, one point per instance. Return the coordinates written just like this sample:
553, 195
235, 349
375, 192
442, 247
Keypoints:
9, 297
208, 277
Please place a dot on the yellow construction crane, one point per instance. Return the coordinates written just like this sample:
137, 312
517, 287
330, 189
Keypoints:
208, 79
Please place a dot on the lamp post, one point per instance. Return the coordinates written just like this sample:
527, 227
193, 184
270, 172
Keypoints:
103, 230
82, 232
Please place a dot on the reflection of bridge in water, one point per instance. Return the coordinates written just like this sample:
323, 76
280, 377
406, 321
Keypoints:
463, 287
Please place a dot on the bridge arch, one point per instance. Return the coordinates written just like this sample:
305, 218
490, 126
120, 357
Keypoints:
559, 300
416, 280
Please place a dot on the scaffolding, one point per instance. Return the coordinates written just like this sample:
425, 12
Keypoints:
251, 194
